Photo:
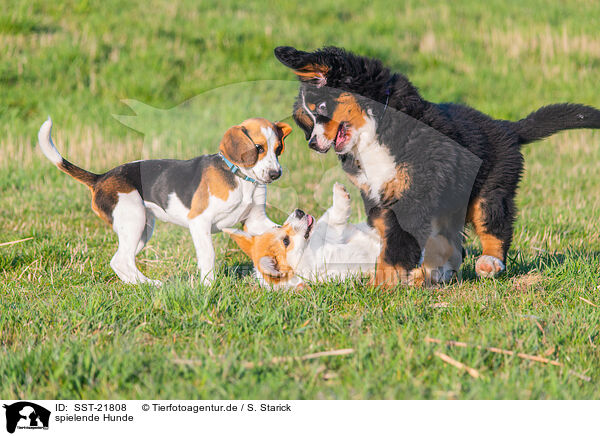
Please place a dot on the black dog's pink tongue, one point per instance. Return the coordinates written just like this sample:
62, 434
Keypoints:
340, 138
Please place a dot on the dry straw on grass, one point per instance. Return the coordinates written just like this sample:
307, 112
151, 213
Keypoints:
496, 350
471, 371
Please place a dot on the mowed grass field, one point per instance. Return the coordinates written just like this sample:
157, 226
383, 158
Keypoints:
70, 329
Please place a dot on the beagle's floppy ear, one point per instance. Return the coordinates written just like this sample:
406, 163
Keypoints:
242, 239
237, 146
268, 265
304, 64
283, 130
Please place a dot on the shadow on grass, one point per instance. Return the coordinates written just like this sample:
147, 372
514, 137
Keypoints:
519, 264
239, 270
24, 26
12, 261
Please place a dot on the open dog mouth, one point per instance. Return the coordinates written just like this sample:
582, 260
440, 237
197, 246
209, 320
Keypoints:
310, 221
342, 137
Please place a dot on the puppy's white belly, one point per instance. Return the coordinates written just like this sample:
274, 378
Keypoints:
222, 213
176, 212
355, 255
334, 265
230, 218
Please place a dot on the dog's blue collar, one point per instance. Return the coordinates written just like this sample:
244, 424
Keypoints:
236, 170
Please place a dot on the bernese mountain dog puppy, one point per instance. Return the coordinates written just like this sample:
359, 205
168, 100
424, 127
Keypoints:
413, 160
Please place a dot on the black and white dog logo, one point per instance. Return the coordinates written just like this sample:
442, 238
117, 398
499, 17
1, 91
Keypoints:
26, 415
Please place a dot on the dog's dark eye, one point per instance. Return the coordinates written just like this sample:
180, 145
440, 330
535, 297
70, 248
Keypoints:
260, 148
322, 108
286, 241
278, 150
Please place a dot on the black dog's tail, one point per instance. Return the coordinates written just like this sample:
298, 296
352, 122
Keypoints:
556, 117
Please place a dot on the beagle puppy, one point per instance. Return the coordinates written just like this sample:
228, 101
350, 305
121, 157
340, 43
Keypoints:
204, 194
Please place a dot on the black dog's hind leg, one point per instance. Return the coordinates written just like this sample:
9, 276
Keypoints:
493, 221
492, 212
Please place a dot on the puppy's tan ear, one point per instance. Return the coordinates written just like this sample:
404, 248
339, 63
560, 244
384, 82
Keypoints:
237, 146
283, 129
268, 265
242, 239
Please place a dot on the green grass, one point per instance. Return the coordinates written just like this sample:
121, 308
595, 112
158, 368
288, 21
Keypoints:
70, 329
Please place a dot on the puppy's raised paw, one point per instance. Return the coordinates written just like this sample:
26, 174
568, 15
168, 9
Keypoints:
340, 191
341, 203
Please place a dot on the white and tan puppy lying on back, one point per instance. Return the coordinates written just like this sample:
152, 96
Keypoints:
331, 248
204, 194
303, 249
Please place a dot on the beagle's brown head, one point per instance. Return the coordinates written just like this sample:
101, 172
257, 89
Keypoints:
255, 146
277, 252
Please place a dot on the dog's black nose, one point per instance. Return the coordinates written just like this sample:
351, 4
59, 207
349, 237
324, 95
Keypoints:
299, 213
312, 143
275, 174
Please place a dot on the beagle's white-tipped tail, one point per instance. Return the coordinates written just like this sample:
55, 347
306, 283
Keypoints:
46, 144
50, 151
